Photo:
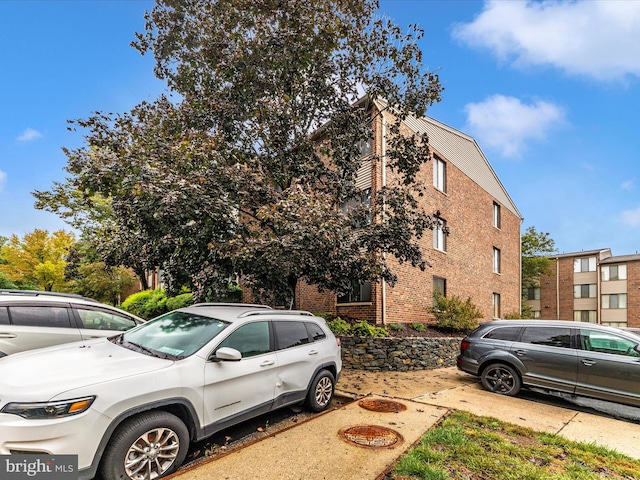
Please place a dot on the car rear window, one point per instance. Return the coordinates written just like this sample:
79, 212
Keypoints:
290, 334
4, 316
40, 316
504, 333
315, 331
550, 336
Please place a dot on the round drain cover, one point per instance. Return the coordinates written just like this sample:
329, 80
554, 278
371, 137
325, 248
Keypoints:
384, 406
371, 436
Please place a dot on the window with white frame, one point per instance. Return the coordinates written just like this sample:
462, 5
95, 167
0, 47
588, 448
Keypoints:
496, 215
614, 300
439, 286
364, 146
496, 305
585, 291
585, 316
584, 265
610, 273
496, 260
440, 235
439, 174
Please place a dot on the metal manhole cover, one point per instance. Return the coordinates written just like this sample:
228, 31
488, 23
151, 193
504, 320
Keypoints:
371, 436
384, 406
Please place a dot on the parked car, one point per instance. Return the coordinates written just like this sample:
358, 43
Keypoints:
582, 359
31, 319
129, 405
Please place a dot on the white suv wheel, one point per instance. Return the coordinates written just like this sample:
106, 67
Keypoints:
146, 448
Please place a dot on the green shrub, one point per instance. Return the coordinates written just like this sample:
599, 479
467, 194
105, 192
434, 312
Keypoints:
418, 327
339, 327
181, 301
146, 304
396, 327
365, 329
454, 314
151, 303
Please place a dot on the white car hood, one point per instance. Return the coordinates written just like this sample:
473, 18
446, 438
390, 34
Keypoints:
50, 371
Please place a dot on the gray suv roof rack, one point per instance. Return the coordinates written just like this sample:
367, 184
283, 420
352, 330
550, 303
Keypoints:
37, 293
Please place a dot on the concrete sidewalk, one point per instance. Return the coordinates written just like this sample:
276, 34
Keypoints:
355, 443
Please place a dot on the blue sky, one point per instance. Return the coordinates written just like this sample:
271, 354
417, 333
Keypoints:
550, 90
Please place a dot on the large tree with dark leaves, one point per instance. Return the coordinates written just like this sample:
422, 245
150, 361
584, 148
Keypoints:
244, 166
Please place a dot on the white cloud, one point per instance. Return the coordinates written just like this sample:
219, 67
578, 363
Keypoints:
631, 217
506, 124
3, 179
598, 39
628, 185
29, 134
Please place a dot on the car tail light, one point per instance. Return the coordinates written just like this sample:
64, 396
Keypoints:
338, 341
464, 345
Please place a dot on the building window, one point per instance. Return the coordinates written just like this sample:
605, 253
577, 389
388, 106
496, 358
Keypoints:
496, 260
585, 316
533, 293
439, 174
584, 265
360, 292
439, 286
584, 291
364, 146
496, 215
440, 235
616, 300
363, 201
496, 305
613, 272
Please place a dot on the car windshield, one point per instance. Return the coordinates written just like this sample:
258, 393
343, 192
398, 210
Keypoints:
173, 335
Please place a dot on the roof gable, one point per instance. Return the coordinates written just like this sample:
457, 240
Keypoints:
464, 152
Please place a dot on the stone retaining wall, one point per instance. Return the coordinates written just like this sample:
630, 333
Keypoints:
398, 354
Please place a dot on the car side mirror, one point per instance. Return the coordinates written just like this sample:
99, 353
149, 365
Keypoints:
226, 354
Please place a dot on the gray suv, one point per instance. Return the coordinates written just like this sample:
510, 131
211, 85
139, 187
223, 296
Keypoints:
32, 319
574, 358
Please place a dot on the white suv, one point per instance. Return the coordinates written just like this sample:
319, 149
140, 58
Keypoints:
31, 319
129, 405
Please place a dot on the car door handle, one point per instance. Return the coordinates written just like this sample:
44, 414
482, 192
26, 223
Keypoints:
7, 335
313, 352
267, 363
588, 363
520, 352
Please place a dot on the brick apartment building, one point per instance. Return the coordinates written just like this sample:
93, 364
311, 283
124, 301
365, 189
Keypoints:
479, 259
590, 286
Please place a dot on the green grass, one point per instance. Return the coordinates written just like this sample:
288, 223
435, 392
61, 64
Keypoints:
465, 446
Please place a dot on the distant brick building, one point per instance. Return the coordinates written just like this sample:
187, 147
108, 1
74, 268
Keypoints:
590, 286
480, 258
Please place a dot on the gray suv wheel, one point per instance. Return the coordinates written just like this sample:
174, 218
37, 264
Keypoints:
501, 378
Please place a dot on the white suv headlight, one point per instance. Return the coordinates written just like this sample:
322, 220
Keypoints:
49, 410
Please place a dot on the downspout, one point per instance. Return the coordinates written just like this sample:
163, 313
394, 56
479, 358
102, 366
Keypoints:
599, 293
557, 289
520, 279
383, 151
